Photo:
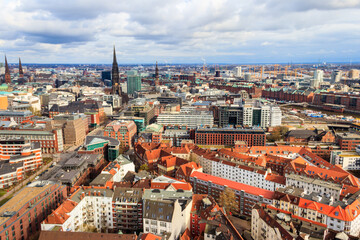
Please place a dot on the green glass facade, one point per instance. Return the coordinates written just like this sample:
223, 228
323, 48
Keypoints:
133, 82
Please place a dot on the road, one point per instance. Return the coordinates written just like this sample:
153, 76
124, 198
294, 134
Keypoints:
26, 181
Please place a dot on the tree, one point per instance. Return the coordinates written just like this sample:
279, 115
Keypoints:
34, 111
277, 134
89, 228
227, 199
144, 167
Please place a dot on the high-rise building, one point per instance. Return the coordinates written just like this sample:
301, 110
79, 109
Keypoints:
21, 72
133, 82
336, 76
7, 72
116, 88
230, 115
238, 72
248, 115
318, 78
106, 75
354, 73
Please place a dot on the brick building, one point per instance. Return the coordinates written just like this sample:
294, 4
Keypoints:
124, 131
22, 214
348, 101
289, 94
348, 141
228, 136
50, 141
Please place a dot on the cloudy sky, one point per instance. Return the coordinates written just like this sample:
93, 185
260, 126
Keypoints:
180, 31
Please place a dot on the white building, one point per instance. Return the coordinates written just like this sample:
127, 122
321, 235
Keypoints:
170, 217
275, 116
248, 115
265, 116
348, 160
189, 119
90, 207
238, 72
239, 173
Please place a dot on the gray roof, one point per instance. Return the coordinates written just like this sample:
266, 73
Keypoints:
159, 210
93, 191
167, 195
127, 195
101, 179
6, 167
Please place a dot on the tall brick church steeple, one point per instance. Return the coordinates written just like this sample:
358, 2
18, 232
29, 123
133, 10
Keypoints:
21, 72
157, 83
116, 88
7, 72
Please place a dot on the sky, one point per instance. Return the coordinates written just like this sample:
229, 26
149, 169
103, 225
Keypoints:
180, 31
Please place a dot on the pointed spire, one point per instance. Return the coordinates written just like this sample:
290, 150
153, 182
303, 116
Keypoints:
21, 72
114, 57
116, 88
157, 83
7, 72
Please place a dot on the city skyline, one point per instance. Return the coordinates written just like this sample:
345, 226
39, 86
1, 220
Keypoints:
229, 32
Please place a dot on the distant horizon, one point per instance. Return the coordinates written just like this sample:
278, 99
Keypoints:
200, 64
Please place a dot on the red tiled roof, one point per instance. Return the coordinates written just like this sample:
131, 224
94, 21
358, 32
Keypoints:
233, 185
60, 215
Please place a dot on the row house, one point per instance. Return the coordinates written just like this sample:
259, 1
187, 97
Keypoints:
246, 196
337, 215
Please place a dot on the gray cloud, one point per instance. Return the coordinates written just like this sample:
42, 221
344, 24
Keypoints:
181, 30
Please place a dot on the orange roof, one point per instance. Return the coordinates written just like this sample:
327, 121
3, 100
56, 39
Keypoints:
233, 185
60, 215
149, 236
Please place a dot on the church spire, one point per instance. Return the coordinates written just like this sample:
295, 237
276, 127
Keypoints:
21, 72
116, 88
157, 83
7, 72
114, 57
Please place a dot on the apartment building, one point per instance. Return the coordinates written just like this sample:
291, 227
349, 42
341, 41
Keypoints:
166, 213
271, 223
50, 141
348, 160
17, 156
22, 214
87, 208
338, 215
115, 171
124, 131
247, 196
128, 209
191, 119
234, 167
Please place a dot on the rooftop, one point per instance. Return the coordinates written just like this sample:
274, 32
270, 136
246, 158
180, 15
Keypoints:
20, 199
